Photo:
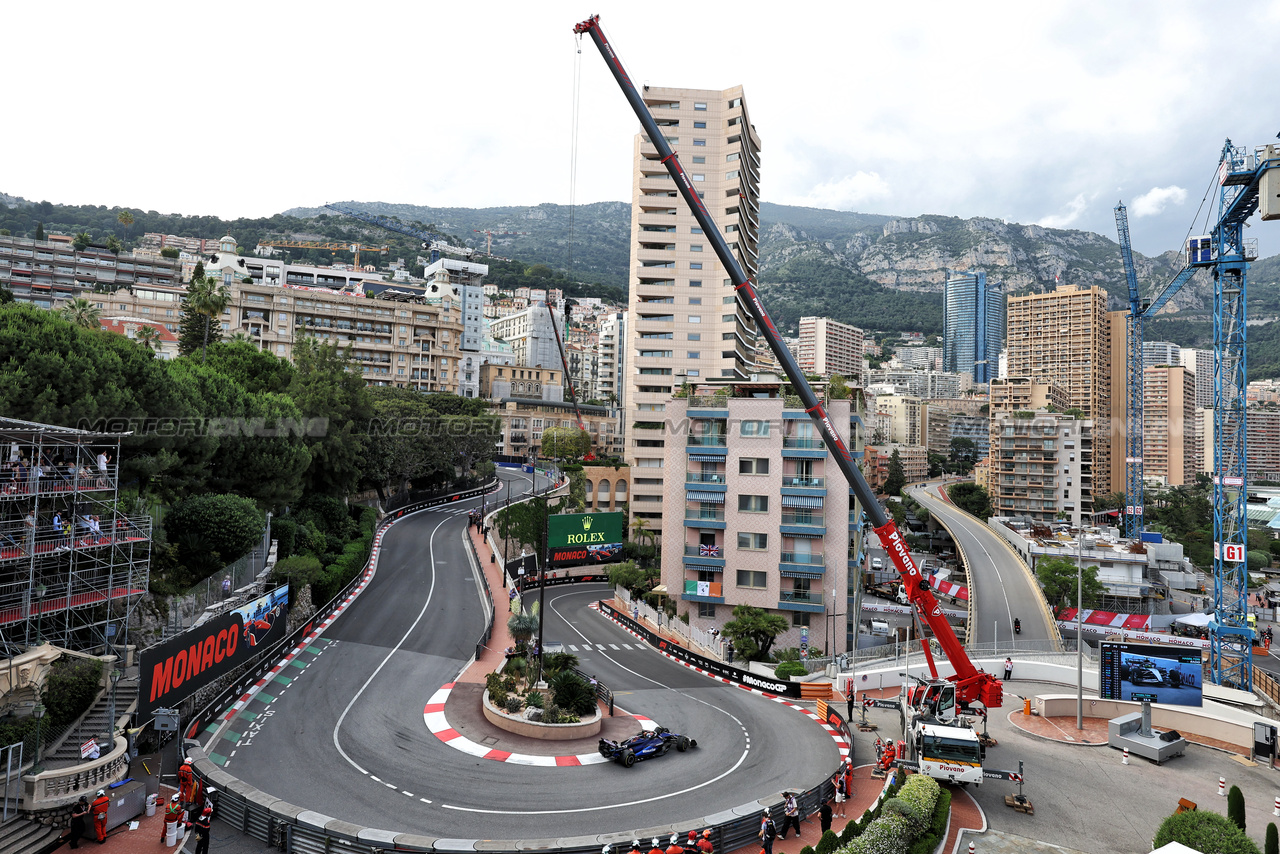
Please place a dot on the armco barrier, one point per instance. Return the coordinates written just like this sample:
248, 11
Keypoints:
292, 828
780, 687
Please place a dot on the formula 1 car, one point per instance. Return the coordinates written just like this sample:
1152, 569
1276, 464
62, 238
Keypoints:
649, 743
1144, 674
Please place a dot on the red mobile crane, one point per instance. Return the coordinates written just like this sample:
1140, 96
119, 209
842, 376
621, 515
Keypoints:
970, 683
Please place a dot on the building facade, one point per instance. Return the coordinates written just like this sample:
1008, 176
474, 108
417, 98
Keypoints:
1042, 466
757, 515
828, 347
45, 272
973, 325
1065, 336
1200, 362
875, 463
1170, 428
685, 320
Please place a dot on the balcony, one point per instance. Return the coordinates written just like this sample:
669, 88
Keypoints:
803, 558
696, 557
807, 520
705, 515
709, 441
802, 443
800, 600
701, 477
804, 482
704, 551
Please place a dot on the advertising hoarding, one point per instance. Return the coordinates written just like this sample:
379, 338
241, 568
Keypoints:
581, 538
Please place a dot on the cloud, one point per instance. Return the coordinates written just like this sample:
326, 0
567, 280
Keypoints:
1075, 208
1156, 199
847, 193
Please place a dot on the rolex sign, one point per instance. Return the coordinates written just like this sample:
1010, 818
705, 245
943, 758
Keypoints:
578, 538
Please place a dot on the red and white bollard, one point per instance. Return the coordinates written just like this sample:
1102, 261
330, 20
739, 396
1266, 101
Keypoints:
1222, 786
1276, 811
971, 848
1125, 761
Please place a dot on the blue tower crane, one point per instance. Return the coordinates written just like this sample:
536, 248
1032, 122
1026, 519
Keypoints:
1245, 180
430, 241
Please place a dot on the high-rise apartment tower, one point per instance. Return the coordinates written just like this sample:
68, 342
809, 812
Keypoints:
973, 325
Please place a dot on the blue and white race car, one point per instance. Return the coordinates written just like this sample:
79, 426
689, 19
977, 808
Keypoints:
647, 744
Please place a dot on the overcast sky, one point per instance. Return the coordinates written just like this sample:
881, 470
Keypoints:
1030, 112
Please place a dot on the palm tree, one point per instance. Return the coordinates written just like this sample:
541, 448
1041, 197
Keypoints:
640, 528
125, 218
149, 337
81, 312
208, 296
81, 241
241, 335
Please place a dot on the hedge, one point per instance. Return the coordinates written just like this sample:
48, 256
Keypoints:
1204, 830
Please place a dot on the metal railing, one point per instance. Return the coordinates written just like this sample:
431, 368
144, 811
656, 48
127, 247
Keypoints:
807, 482
806, 558
802, 443
704, 551
710, 516
713, 441
703, 477
803, 597
803, 519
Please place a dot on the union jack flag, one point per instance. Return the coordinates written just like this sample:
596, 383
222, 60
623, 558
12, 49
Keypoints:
708, 551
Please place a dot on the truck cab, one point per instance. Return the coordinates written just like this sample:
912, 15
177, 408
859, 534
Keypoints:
947, 753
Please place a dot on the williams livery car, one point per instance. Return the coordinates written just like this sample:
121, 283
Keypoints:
647, 744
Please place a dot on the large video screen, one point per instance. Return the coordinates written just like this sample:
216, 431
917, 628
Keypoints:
1156, 674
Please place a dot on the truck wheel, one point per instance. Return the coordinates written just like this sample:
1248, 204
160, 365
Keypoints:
682, 745
628, 758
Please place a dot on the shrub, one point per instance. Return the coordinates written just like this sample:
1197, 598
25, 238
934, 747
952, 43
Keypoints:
890, 832
283, 531
572, 693
534, 700
522, 627
850, 832
517, 667
1204, 831
558, 661
1235, 806
1272, 845
553, 714
921, 792
907, 810
498, 697
937, 830
808, 849
828, 843
70, 689
514, 704
227, 524
787, 669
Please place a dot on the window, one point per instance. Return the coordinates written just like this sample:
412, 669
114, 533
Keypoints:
655, 354
746, 578
731, 176
642, 335
698, 105
698, 176
694, 354
755, 428
699, 125
753, 504
695, 283
800, 618
753, 542
701, 158
736, 102
699, 142
655, 372
695, 247
695, 230
731, 298
694, 318
753, 465
695, 336
695, 300
695, 265
729, 158
707, 609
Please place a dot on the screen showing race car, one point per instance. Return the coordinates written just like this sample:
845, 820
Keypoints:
1146, 672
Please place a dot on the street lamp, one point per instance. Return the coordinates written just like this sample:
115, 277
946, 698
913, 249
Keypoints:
1079, 627
111, 732
38, 711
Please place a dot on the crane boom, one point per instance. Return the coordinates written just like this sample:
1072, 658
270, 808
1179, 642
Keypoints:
434, 242
971, 683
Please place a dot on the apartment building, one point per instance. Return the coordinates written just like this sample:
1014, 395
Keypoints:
685, 320
750, 482
875, 463
1021, 393
1200, 363
532, 333
973, 325
828, 347
918, 358
612, 360
1171, 443
940, 384
45, 272
1262, 429
1041, 466
1160, 353
907, 418
1065, 336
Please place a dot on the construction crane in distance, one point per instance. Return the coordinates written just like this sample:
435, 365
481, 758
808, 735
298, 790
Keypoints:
1245, 180
488, 237
430, 241
355, 248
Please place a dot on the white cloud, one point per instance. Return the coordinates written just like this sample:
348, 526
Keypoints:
847, 193
1075, 208
1155, 200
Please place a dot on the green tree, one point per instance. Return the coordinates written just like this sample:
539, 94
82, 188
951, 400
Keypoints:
328, 387
113, 244
896, 477
1058, 579
208, 297
971, 498
526, 523
125, 218
1204, 830
39, 231
1235, 806
640, 532
81, 241
1272, 843
170, 252
256, 370
753, 631
633, 577
838, 389
148, 336
213, 530
565, 443
80, 312
405, 440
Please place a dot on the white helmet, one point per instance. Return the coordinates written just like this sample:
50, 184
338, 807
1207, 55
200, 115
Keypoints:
656, 843
675, 837
101, 792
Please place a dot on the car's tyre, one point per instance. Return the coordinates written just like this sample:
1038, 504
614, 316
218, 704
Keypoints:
683, 744
693, 742
628, 758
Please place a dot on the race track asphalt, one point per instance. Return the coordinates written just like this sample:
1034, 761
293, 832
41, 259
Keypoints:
346, 737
